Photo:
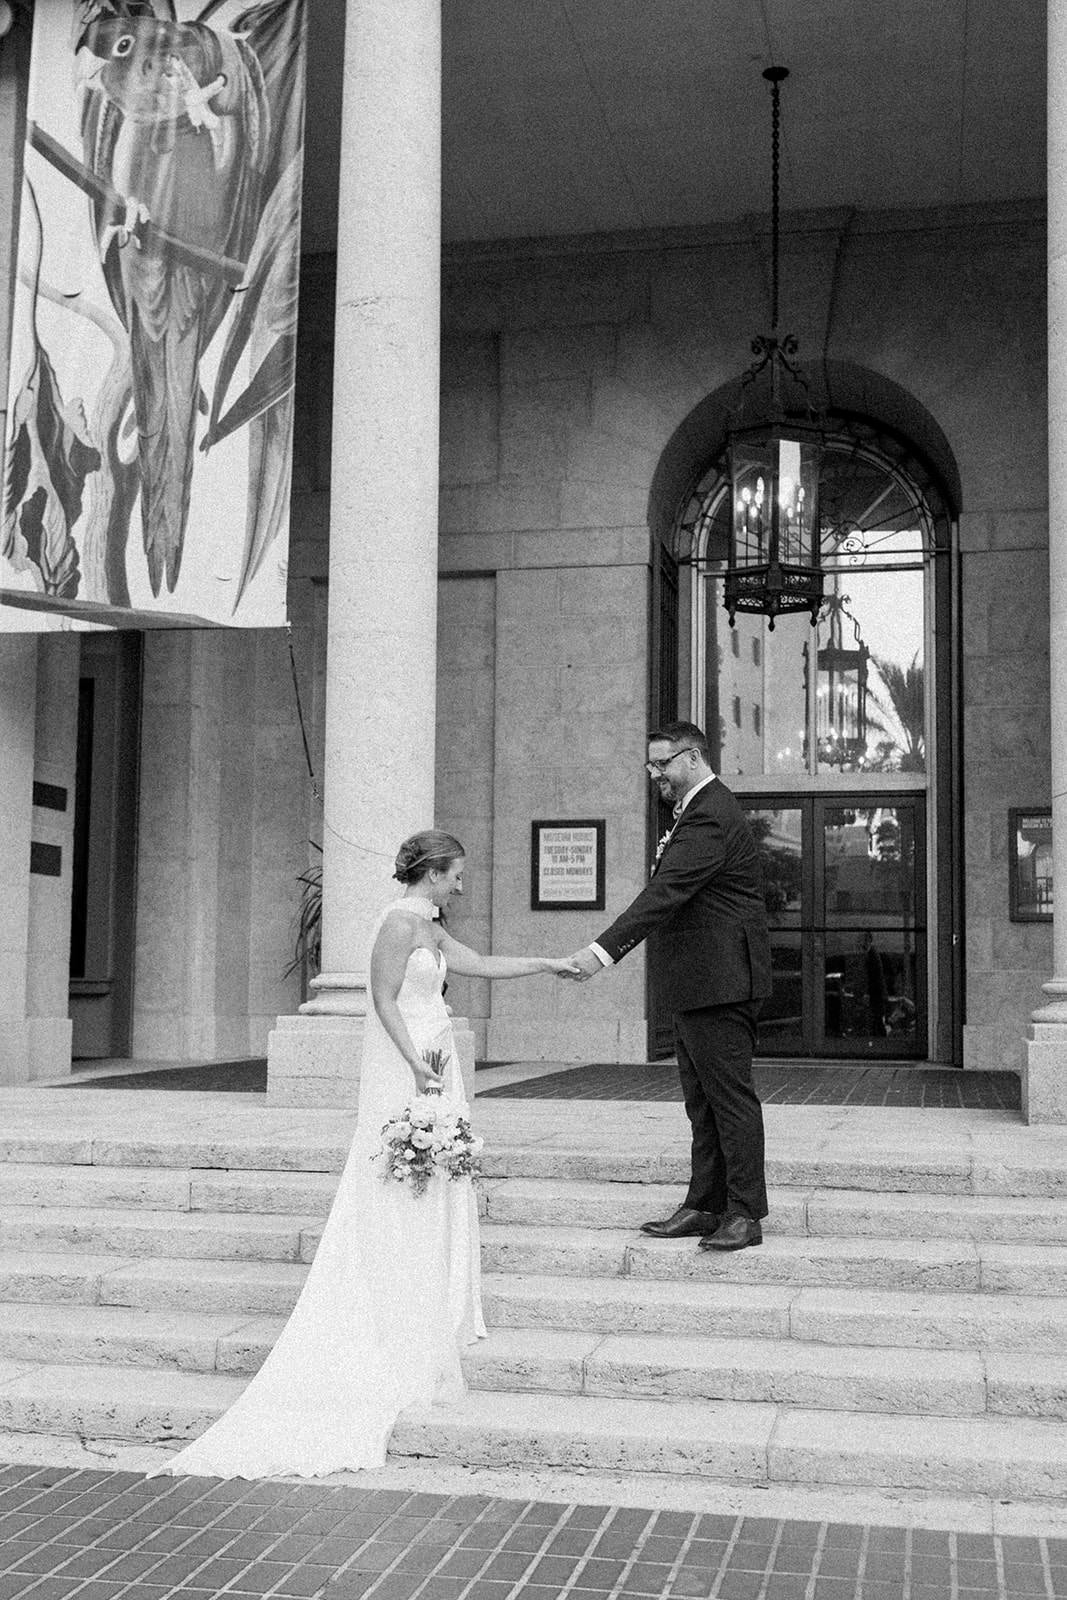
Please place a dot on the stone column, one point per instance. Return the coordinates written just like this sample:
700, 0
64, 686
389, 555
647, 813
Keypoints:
1045, 1074
55, 759
18, 703
381, 640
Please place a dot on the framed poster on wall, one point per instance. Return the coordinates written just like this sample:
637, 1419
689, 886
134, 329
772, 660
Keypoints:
1030, 864
567, 866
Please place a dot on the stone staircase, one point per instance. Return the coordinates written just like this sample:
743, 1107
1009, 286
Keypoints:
903, 1328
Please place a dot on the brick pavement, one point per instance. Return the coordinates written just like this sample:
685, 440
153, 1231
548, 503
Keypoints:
118, 1536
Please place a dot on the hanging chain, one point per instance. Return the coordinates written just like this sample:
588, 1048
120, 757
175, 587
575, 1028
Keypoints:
776, 126
775, 76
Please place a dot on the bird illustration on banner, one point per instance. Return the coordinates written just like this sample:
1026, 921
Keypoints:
192, 160
187, 123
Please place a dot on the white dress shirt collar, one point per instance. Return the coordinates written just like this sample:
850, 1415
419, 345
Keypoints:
695, 790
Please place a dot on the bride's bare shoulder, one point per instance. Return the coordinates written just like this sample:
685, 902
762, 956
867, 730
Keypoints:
397, 926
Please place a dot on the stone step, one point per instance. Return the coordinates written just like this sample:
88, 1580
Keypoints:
38, 1184
575, 1203
269, 1150
305, 1194
103, 1335
801, 1262
201, 1235
935, 1169
825, 1377
1028, 1166
535, 1202
983, 1218
243, 1261
304, 1199
250, 1287
931, 1321
112, 1402
1020, 1458
569, 1203
603, 1305
787, 1373
863, 1378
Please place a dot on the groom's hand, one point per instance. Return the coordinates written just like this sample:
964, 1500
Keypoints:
588, 963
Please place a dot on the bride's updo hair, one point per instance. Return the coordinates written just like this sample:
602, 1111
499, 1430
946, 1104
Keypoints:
430, 851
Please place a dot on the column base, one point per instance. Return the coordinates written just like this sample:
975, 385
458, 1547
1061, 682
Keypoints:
32, 1048
567, 1039
1044, 1074
314, 1060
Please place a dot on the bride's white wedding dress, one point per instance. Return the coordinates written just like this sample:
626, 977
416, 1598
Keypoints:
392, 1295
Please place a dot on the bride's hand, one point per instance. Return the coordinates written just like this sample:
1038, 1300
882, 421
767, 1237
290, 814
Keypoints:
427, 1081
563, 968
430, 1071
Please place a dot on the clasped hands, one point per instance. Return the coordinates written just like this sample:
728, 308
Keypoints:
581, 966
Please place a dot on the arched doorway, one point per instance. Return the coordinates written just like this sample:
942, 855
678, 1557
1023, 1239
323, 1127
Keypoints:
840, 740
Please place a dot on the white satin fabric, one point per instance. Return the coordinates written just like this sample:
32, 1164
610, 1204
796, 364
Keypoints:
391, 1297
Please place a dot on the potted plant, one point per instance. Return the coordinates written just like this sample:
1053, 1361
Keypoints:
307, 947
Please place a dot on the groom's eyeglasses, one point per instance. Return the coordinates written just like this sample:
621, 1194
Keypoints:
657, 768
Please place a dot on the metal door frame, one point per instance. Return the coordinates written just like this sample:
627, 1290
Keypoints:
812, 934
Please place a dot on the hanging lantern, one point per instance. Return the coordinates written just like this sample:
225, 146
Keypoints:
774, 462
841, 692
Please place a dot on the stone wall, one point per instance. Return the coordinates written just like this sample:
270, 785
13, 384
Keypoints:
569, 366
222, 839
466, 612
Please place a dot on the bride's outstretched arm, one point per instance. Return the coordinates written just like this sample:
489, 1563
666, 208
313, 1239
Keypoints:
388, 964
467, 963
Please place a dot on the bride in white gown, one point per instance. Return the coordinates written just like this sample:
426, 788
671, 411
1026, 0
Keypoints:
393, 1292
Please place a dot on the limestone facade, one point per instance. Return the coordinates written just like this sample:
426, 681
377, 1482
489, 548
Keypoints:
567, 366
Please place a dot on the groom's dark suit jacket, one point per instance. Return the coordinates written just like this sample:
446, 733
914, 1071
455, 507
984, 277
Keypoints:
703, 911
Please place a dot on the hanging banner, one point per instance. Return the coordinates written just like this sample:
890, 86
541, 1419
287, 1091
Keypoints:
150, 391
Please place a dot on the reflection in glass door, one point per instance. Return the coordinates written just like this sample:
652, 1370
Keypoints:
845, 886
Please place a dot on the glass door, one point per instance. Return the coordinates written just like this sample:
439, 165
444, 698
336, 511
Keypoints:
845, 886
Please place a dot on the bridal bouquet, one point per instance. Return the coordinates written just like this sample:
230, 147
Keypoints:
429, 1138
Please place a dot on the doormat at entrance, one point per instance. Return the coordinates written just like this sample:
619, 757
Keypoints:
212, 1077
785, 1084
777, 1083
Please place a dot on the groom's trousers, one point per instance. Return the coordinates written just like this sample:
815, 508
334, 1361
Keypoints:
715, 1045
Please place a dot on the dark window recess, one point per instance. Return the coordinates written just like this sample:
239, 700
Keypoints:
47, 859
737, 711
755, 651
735, 642
756, 719
50, 795
79, 892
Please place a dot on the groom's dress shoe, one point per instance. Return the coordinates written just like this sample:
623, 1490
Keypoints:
684, 1221
733, 1233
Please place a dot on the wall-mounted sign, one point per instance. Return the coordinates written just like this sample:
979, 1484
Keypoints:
1030, 857
567, 866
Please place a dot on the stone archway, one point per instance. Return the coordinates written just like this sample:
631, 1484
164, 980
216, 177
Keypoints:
871, 416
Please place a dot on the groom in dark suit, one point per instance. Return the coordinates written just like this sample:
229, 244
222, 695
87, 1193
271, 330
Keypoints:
704, 918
